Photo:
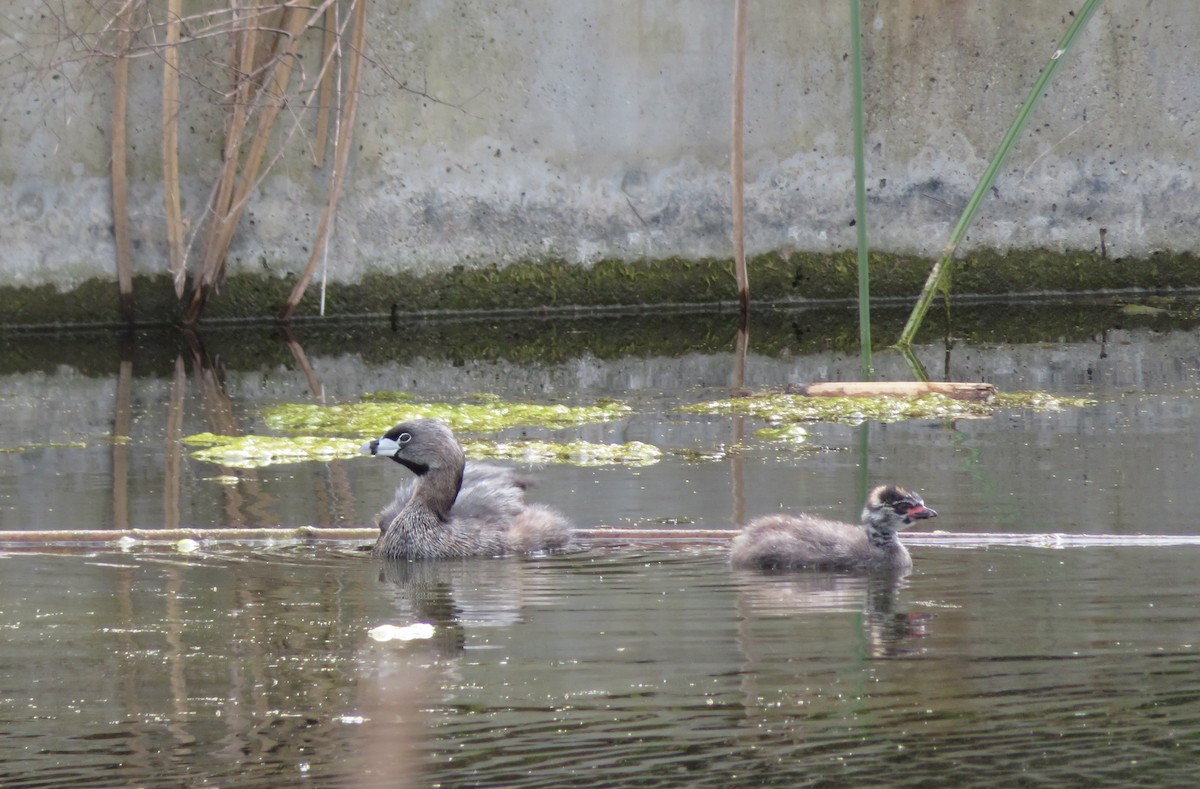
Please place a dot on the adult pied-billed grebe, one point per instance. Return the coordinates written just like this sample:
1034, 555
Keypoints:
790, 542
455, 509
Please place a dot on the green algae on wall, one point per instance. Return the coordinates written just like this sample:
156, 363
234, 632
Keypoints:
556, 284
534, 338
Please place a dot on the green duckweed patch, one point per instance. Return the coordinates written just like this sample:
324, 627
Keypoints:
791, 435
788, 438
578, 453
248, 452
699, 455
1143, 310
786, 409
318, 432
1038, 401
380, 412
257, 451
45, 445
777, 409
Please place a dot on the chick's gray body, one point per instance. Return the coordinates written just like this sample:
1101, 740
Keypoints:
793, 542
454, 509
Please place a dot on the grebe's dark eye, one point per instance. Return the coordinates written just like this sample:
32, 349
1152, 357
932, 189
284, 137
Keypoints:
404, 438
902, 507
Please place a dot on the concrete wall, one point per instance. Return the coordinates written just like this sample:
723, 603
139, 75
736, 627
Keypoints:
584, 130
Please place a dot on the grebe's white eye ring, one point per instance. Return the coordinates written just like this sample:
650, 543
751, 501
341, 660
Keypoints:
404, 438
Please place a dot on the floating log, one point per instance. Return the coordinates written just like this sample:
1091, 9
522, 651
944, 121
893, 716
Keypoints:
957, 390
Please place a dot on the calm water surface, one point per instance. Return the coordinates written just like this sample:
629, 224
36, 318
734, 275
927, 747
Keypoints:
609, 667
647, 665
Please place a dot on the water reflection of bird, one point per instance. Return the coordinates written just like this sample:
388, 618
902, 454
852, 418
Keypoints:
889, 631
454, 509
789, 542
455, 597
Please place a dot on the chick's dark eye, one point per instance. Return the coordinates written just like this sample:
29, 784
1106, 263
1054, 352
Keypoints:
902, 507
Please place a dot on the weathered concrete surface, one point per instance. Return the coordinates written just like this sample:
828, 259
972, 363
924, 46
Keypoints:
584, 131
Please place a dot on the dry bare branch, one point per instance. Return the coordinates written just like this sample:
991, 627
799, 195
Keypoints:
170, 149
341, 157
124, 261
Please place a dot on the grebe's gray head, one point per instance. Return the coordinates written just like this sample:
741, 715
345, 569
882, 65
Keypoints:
893, 508
421, 445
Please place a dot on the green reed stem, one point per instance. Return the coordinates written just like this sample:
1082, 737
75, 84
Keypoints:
941, 269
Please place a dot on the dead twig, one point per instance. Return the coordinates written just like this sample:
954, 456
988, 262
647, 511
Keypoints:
120, 186
326, 79
341, 157
170, 148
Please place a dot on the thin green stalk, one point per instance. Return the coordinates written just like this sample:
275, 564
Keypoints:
864, 461
914, 364
940, 269
860, 196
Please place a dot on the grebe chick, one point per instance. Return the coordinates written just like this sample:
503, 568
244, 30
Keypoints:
791, 542
455, 509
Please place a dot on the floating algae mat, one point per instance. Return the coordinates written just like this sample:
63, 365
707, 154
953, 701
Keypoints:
779, 408
368, 419
381, 411
579, 453
789, 437
258, 451
790, 434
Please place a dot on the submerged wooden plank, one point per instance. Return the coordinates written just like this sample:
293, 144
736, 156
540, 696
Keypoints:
119, 538
1047, 539
78, 536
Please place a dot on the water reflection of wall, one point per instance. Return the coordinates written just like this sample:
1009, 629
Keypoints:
1126, 464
